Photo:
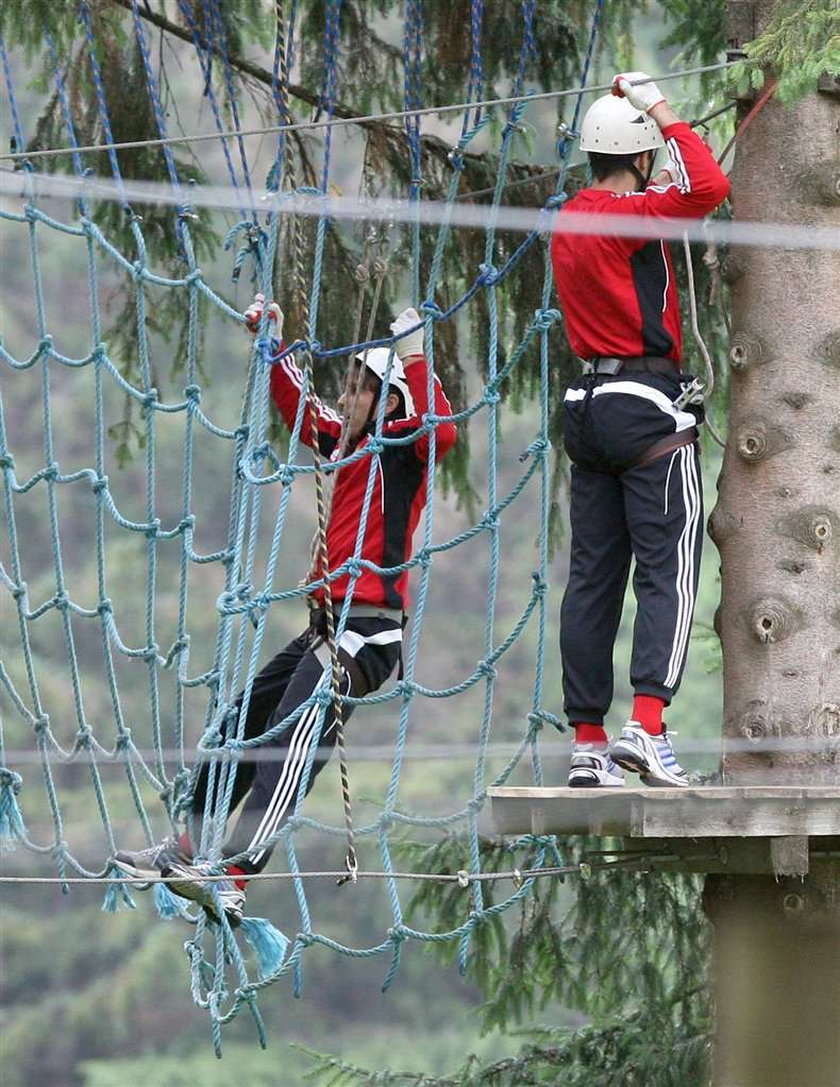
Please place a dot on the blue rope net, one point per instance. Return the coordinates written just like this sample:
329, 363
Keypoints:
142, 684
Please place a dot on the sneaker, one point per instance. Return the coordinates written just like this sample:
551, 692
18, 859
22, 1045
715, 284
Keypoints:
149, 863
190, 881
651, 757
593, 768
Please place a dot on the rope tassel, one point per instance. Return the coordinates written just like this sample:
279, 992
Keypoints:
12, 829
167, 904
117, 895
268, 943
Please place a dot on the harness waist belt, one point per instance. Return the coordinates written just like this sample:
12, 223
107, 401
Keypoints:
609, 364
668, 444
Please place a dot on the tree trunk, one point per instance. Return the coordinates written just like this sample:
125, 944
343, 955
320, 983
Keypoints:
776, 968
777, 528
777, 521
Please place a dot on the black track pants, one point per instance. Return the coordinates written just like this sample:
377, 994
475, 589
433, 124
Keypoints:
270, 786
655, 515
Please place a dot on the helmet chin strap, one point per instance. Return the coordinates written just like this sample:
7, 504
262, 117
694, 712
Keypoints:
642, 180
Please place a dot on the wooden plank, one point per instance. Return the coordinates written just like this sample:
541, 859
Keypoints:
790, 856
773, 811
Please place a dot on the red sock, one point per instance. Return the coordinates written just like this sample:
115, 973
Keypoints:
647, 710
587, 733
239, 877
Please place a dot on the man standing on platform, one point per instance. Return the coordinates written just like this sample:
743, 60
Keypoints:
630, 431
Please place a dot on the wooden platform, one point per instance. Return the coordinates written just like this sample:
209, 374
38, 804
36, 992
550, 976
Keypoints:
759, 828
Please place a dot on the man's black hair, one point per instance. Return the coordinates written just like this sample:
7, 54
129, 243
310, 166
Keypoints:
603, 166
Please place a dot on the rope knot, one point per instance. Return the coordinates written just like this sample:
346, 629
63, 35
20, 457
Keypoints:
41, 725
545, 318
7, 461
10, 780
261, 602
548, 718
193, 394
398, 934
539, 446
540, 587
84, 736
492, 396
489, 275
99, 484
486, 669
535, 724
556, 200
405, 689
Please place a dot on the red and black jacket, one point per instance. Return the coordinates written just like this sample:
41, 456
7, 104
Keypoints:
399, 487
618, 294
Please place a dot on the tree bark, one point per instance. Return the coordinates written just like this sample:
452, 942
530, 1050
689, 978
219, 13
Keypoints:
777, 528
776, 965
777, 521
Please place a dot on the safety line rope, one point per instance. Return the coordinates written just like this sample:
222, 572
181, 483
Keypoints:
369, 118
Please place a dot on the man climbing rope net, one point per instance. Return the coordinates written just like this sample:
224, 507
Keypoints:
369, 647
630, 432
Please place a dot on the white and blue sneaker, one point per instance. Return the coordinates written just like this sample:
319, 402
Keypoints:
210, 888
651, 757
592, 767
148, 864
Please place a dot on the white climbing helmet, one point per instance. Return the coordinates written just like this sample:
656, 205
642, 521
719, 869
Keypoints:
376, 360
611, 126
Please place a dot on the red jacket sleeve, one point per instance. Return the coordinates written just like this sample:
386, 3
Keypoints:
417, 377
286, 390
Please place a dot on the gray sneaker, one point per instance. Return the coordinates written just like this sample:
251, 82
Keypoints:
651, 757
149, 863
593, 768
191, 881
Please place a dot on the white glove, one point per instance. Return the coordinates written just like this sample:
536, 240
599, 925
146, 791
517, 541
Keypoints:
644, 97
412, 344
253, 316
672, 170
